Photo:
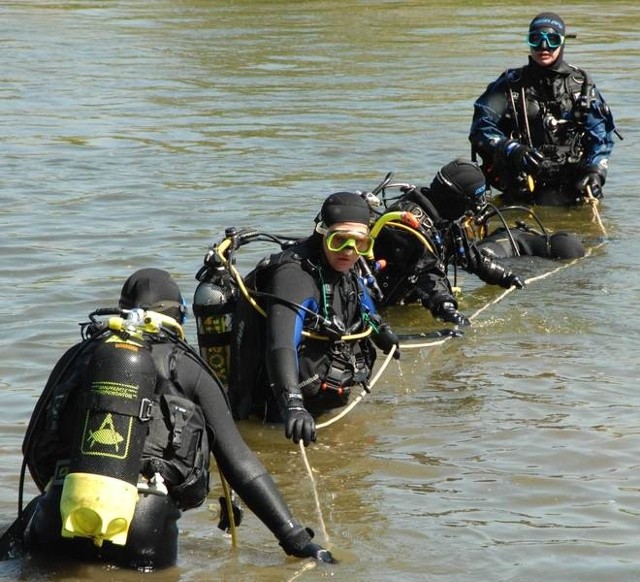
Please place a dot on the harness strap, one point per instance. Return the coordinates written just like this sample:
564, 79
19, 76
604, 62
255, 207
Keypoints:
141, 409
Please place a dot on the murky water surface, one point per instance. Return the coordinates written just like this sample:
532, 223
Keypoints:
133, 133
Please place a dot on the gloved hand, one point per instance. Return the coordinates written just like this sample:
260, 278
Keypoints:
317, 552
447, 311
513, 280
225, 519
523, 158
385, 339
299, 425
594, 181
298, 543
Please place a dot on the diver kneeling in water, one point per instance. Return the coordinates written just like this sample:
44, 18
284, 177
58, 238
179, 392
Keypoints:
544, 131
315, 337
450, 229
119, 442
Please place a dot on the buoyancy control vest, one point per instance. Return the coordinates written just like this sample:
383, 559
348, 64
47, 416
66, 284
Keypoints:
178, 444
334, 359
130, 419
328, 364
409, 251
555, 108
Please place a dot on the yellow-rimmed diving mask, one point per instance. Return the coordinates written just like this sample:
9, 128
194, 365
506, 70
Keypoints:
339, 240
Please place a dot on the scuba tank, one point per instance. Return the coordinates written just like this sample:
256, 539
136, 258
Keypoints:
100, 492
214, 302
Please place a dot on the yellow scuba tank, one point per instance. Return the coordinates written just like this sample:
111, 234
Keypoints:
100, 491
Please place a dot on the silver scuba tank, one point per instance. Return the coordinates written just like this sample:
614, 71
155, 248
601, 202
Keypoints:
213, 305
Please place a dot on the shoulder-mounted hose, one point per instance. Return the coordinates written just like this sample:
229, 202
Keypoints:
489, 211
403, 220
222, 255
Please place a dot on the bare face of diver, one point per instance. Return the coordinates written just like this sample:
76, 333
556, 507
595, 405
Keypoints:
343, 243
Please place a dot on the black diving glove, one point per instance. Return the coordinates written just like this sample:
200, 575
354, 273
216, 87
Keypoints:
446, 311
513, 280
385, 339
522, 158
298, 543
299, 425
225, 519
591, 181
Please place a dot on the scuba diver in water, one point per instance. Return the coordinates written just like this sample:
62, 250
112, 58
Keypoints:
454, 202
304, 332
119, 442
544, 131
449, 225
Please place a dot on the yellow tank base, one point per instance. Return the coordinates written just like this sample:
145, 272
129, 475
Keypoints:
97, 507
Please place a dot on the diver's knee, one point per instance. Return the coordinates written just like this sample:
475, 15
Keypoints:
152, 542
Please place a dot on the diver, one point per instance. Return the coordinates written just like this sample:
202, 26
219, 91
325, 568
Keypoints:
544, 131
120, 440
487, 226
311, 338
417, 255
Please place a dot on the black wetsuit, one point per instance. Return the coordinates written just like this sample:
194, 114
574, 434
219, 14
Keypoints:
501, 244
411, 272
271, 358
416, 272
153, 535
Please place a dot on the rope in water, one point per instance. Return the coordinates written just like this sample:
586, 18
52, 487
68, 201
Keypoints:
384, 367
307, 465
593, 202
364, 392
350, 407
501, 297
229, 505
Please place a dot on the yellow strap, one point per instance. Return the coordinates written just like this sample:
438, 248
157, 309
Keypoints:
531, 183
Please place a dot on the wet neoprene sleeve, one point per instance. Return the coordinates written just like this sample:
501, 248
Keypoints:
238, 463
433, 290
282, 369
284, 327
477, 263
489, 270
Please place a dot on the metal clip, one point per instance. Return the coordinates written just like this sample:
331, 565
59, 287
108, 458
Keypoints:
155, 486
146, 409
